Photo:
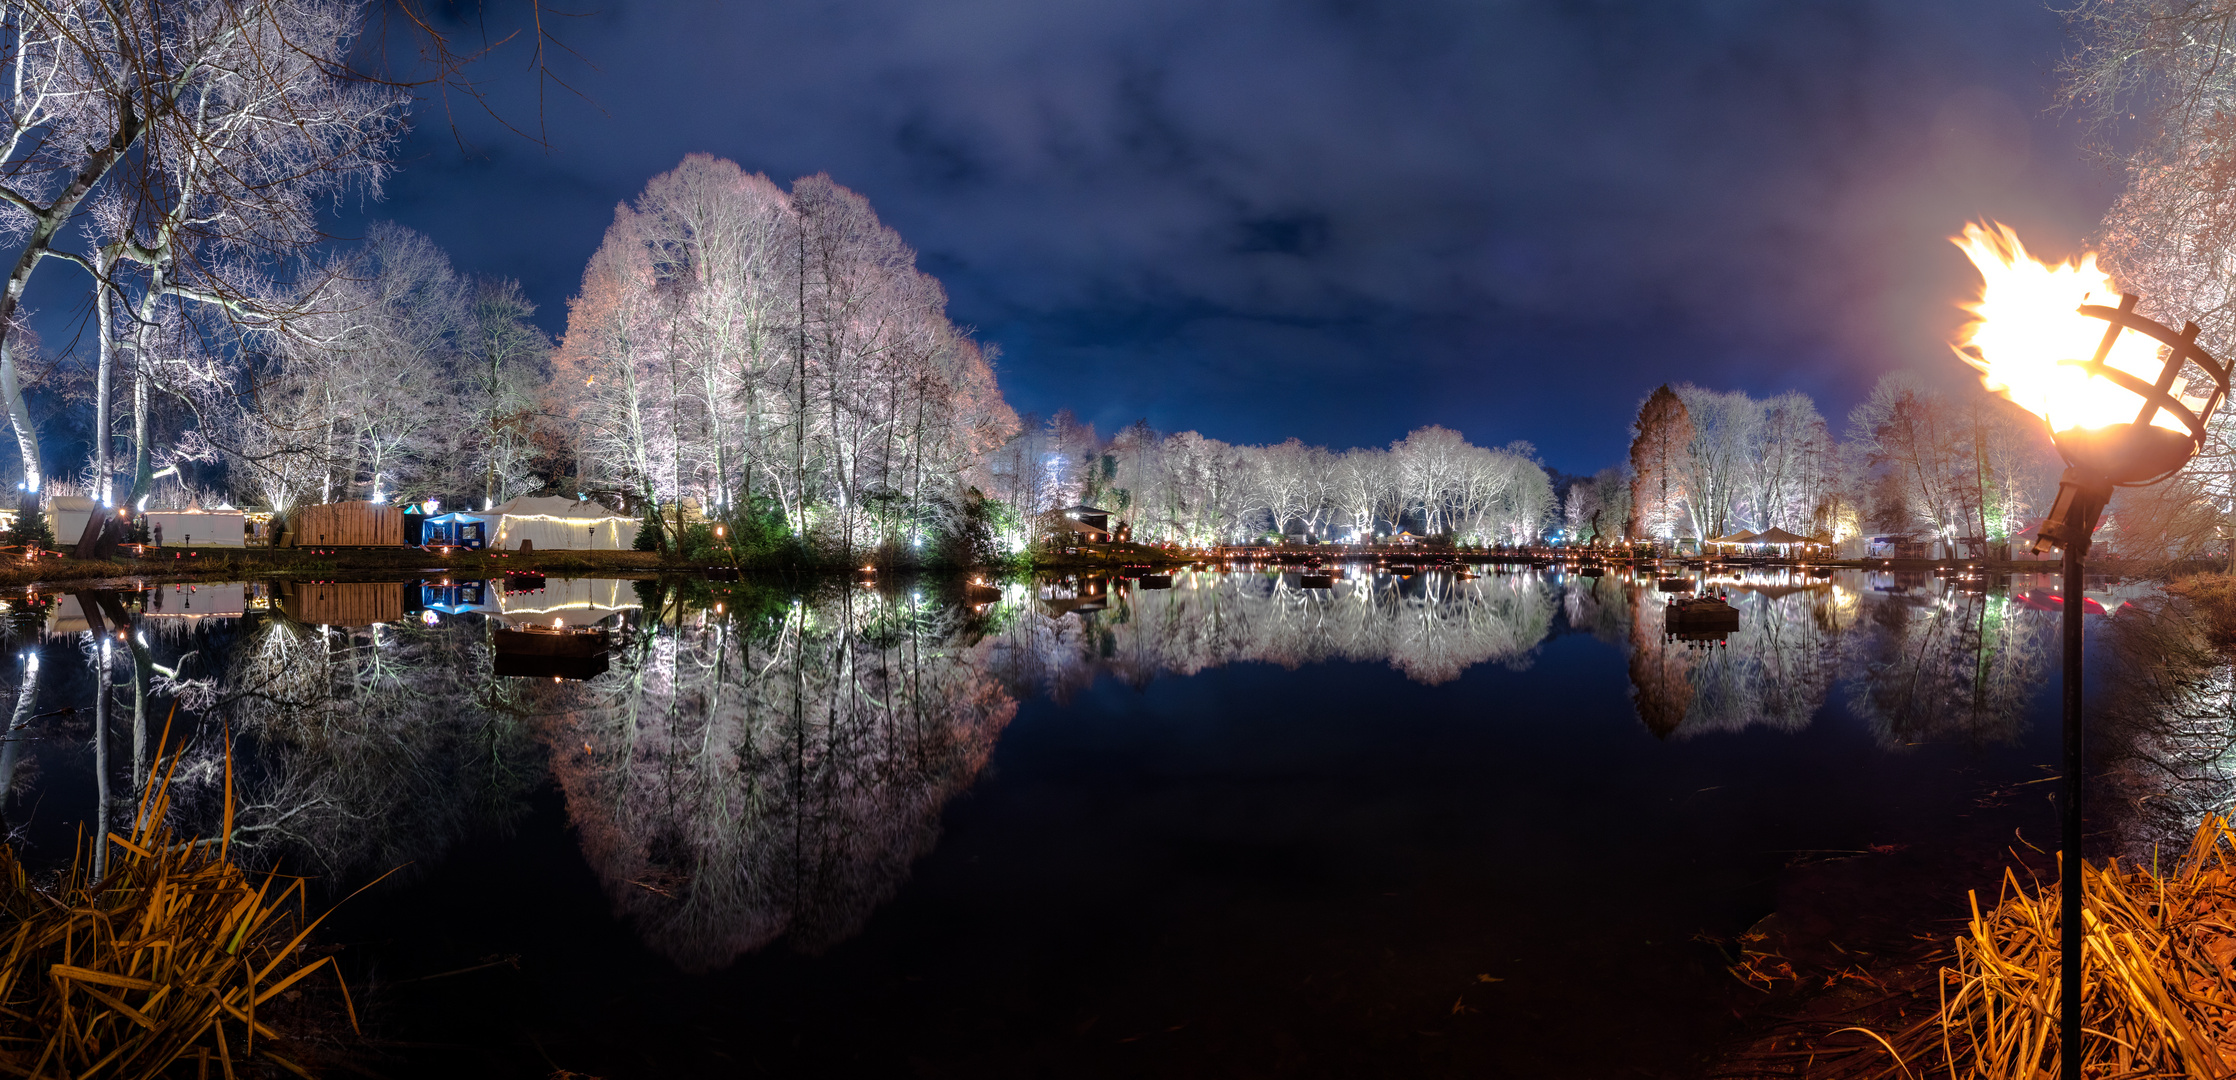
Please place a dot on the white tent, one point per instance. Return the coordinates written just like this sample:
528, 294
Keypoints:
196, 528
67, 515
562, 524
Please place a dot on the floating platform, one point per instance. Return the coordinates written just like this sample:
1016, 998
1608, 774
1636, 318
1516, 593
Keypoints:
1701, 614
559, 642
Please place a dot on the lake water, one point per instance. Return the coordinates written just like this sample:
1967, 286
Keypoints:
1407, 826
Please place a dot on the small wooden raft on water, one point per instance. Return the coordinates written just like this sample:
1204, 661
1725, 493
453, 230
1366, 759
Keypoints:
1701, 614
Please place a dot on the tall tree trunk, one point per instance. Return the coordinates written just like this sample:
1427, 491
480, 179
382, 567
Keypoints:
143, 461
46, 222
496, 375
104, 309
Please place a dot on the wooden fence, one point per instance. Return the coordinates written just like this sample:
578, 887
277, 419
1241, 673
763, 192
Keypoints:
347, 524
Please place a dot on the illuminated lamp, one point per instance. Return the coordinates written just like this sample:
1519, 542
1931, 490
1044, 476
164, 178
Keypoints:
2116, 406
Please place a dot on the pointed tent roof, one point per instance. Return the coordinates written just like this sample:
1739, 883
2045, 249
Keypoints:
1778, 536
1741, 537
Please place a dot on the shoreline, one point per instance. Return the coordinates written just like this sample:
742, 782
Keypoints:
206, 564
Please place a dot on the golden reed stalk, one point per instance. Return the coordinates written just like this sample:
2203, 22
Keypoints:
2159, 995
166, 965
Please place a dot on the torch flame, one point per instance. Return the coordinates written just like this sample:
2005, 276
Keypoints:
2028, 338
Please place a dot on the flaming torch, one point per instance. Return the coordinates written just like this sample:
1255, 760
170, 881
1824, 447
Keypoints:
2054, 340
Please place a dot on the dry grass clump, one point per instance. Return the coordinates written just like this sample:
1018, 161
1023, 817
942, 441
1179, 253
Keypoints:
166, 965
2213, 598
2158, 992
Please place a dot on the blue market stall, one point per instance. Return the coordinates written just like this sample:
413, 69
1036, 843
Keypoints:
457, 529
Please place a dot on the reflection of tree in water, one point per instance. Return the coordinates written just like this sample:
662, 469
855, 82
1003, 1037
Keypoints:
2162, 728
753, 767
1960, 664
356, 750
1432, 627
372, 746
1776, 670
773, 770
1660, 669
1599, 606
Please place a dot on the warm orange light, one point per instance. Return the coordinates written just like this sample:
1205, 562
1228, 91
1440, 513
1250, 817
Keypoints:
2028, 338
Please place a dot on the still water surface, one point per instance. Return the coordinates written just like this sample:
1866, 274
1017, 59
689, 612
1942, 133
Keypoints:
1427, 825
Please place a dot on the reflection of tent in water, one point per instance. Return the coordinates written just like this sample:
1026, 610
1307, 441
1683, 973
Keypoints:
195, 601
1083, 595
578, 601
1780, 590
452, 598
343, 603
67, 616
562, 523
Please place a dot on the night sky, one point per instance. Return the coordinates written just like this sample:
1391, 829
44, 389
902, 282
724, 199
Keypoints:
1335, 220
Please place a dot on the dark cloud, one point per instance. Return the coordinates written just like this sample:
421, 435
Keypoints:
1341, 219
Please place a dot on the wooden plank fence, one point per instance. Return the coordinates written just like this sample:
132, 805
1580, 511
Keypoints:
347, 524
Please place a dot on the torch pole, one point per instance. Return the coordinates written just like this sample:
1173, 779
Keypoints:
2069, 868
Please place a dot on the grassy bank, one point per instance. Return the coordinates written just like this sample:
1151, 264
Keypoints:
2159, 995
154, 955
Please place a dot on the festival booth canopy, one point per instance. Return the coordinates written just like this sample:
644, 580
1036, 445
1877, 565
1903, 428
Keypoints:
458, 529
67, 515
555, 523
1741, 537
196, 527
1779, 537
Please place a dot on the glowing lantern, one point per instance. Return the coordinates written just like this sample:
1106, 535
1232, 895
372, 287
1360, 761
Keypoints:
2054, 341
2120, 416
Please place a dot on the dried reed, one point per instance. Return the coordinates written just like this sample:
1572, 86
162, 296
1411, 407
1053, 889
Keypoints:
166, 964
2158, 991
